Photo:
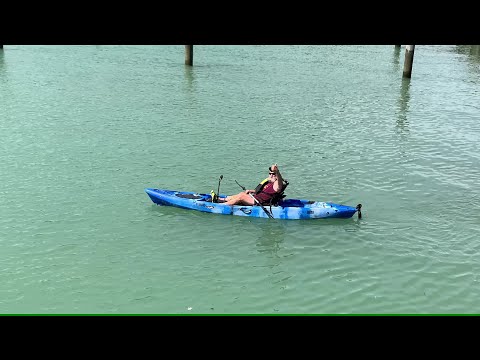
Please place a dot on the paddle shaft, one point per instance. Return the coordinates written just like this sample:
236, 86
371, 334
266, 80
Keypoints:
253, 197
268, 212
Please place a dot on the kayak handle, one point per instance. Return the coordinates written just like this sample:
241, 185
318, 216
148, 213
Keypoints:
359, 209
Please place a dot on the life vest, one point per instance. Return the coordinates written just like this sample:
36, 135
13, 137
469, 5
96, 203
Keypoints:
264, 191
261, 186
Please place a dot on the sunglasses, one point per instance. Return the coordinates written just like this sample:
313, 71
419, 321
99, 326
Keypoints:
270, 173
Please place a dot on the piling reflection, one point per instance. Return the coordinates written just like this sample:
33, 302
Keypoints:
403, 102
396, 59
3, 66
190, 77
472, 54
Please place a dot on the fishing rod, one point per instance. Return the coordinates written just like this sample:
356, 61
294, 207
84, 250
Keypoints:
212, 193
218, 190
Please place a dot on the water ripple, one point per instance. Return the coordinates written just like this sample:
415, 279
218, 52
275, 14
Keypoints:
79, 235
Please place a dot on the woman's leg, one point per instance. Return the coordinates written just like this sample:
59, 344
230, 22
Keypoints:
239, 199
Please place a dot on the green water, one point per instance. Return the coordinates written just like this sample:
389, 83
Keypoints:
84, 129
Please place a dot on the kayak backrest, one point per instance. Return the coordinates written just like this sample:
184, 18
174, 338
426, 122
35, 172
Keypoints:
279, 196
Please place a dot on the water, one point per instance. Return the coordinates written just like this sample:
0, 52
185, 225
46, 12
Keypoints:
84, 129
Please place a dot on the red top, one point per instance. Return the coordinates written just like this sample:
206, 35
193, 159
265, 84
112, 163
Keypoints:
266, 194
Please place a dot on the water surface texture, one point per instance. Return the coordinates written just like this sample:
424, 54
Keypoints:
84, 129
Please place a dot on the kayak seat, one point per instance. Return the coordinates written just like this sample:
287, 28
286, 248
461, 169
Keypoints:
276, 200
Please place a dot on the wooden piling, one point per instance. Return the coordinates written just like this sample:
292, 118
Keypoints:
398, 46
408, 64
189, 55
1, 46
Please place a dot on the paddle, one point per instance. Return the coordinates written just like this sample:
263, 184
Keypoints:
253, 197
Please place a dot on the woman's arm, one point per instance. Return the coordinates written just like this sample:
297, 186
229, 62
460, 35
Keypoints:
278, 185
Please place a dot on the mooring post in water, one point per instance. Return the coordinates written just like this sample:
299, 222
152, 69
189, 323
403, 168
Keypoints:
398, 46
189, 55
407, 65
1, 46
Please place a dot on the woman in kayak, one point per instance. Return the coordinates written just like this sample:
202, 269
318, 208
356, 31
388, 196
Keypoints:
265, 191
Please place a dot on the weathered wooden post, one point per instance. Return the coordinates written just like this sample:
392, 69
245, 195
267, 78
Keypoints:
189, 55
407, 65
397, 46
1, 46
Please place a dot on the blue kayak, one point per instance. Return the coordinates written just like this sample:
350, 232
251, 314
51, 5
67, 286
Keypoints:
286, 209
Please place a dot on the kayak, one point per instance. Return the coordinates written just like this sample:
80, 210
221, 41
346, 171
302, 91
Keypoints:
286, 209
